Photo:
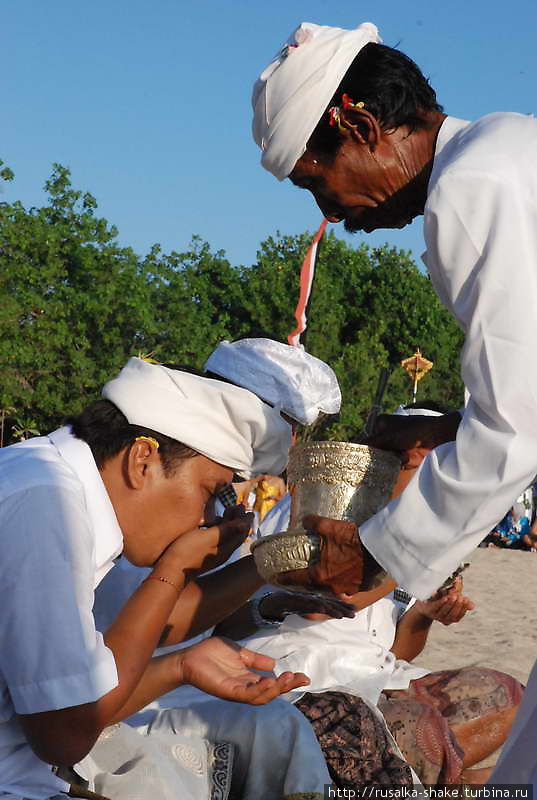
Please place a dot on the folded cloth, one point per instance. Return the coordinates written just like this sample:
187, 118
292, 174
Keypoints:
124, 764
287, 377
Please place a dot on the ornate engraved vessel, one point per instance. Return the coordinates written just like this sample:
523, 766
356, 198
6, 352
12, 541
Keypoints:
339, 480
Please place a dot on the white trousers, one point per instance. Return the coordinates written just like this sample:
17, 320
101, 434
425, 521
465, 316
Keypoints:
207, 749
276, 756
204, 751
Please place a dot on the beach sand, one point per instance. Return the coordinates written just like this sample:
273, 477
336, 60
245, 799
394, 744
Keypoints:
501, 632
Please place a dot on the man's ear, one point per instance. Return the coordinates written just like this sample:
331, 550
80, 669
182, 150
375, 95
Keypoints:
361, 125
142, 454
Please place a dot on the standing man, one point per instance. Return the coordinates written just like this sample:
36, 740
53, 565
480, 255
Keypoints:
358, 125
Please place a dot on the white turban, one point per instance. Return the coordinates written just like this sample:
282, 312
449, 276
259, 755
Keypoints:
401, 411
286, 377
292, 93
227, 424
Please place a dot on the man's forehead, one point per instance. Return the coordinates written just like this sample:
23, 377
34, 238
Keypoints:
308, 174
298, 171
305, 167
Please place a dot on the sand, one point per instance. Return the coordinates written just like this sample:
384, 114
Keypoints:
501, 632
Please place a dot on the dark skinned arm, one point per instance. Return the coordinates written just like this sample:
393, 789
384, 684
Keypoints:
241, 623
362, 600
411, 635
275, 606
210, 599
66, 735
413, 629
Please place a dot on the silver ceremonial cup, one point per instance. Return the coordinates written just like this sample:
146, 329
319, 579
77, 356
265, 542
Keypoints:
339, 480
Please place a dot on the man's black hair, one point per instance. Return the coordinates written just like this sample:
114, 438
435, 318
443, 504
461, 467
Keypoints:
391, 86
107, 431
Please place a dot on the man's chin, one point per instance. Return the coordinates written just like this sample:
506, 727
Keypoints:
351, 226
355, 226
370, 225
366, 222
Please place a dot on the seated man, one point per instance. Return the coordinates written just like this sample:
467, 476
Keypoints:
279, 374
514, 530
444, 723
131, 475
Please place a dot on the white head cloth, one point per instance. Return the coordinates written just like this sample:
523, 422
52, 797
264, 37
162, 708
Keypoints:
286, 377
401, 411
227, 424
292, 93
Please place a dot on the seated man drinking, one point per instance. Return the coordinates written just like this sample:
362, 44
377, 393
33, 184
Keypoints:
280, 375
130, 475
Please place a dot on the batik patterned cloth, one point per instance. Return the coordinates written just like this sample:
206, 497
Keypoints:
354, 741
421, 717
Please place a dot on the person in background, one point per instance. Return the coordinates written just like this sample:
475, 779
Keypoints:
269, 491
530, 538
515, 530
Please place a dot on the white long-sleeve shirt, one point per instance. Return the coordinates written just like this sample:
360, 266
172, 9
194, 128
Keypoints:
59, 536
481, 234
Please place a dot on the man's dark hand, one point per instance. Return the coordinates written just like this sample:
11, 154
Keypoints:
344, 567
204, 549
277, 605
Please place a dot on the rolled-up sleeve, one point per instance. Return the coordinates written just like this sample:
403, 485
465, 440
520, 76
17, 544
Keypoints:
481, 234
51, 656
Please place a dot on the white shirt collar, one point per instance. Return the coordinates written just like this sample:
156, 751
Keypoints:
447, 130
102, 517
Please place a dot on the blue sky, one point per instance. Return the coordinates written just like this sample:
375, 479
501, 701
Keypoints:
148, 103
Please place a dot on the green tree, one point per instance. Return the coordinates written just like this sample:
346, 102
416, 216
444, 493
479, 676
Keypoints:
196, 302
369, 308
75, 304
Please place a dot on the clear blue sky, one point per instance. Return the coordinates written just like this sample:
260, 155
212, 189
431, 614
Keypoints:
148, 102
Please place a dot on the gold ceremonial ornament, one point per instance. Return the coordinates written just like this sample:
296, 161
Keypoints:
338, 480
149, 439
416, 367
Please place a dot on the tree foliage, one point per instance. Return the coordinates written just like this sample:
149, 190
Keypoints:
75, 305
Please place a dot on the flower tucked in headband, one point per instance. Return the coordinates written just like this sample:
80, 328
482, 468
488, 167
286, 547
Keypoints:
334, 112
301, 36
286, 49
